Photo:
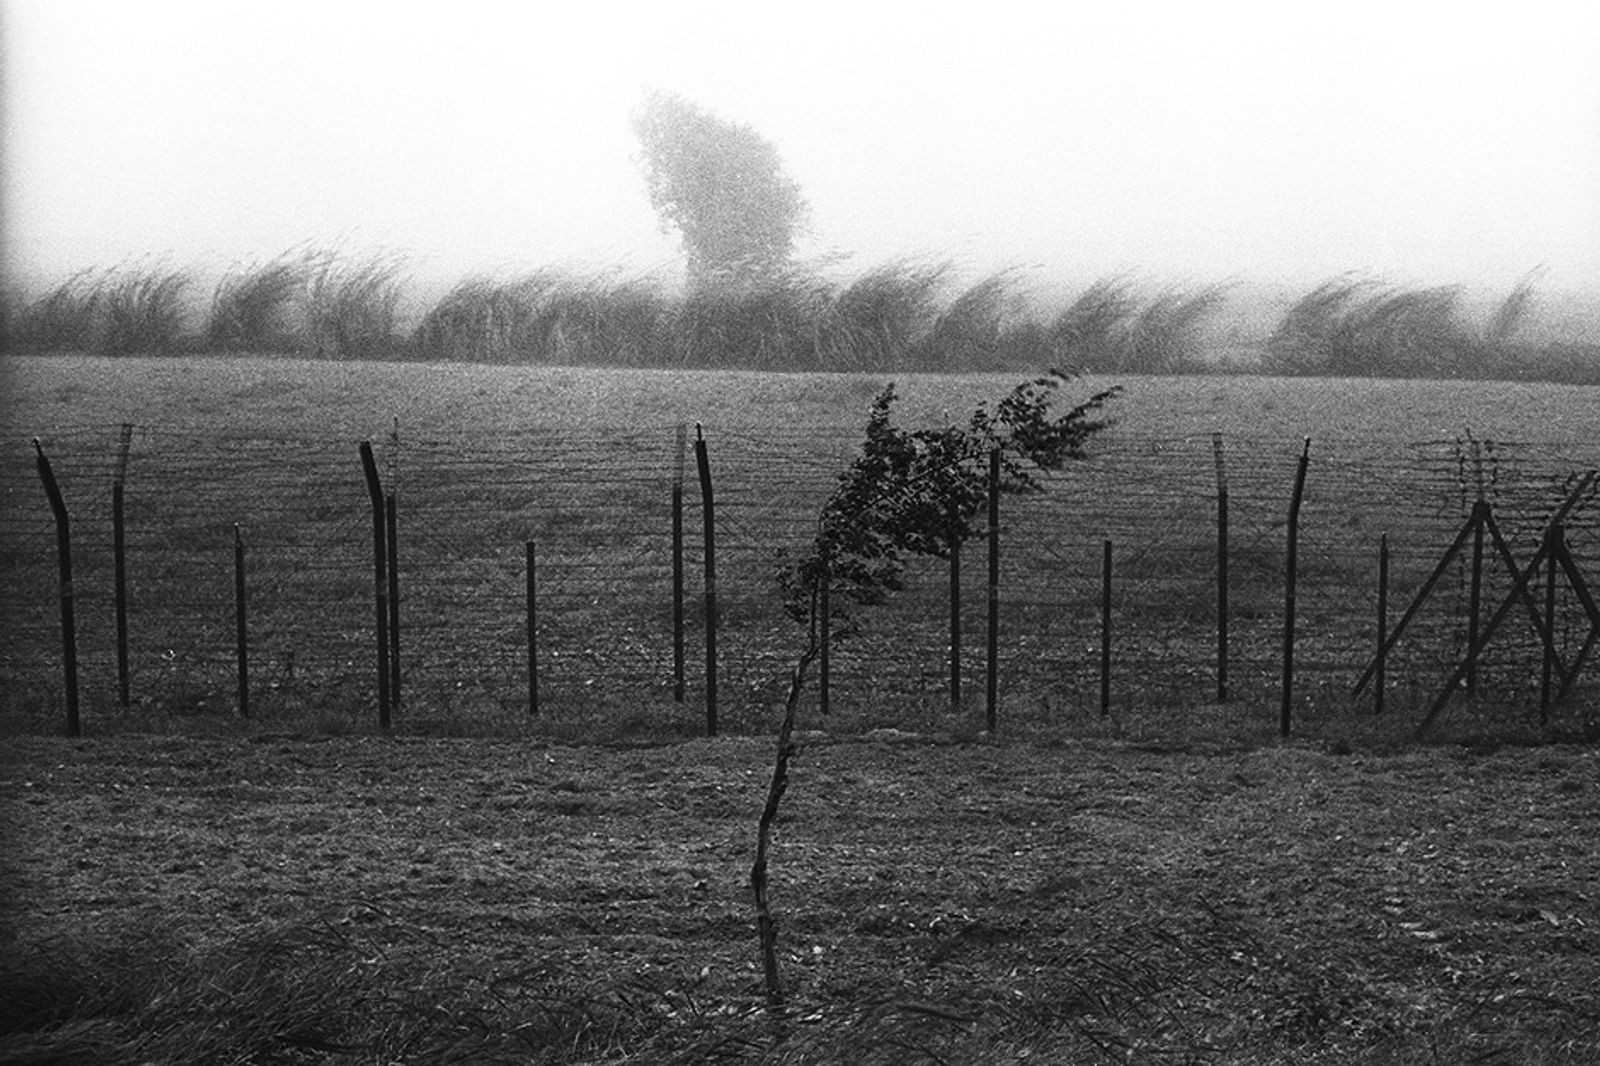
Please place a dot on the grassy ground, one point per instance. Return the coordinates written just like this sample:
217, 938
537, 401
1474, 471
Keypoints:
1167, 883
581, 461
373, 900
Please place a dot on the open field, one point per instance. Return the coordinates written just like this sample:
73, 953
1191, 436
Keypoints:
581, 461
194, 900
1169, 883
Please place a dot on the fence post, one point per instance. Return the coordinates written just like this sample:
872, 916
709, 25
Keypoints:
1222, 570
533, 637
241, 628
677, 570
391, 529
1475, 597
1382, 657
119, 552
380, 578
955, 614
69, 626
1105, 628
1291, 568
708, 510
992, 692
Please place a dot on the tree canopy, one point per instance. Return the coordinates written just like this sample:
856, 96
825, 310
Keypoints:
722, 186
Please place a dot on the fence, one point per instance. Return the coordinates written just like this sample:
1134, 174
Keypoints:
1150, 575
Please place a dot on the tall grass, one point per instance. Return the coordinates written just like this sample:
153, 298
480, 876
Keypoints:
967, 333
899, 316
260, 307
1358, 327
145, 312
64, 319
1167, 335
1090, 333
132, 310
872, 322
353, 306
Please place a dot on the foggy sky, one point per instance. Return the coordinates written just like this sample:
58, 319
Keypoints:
1421, 142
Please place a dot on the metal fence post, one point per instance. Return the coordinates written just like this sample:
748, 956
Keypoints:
1291, 573
708, 512
69, 625
380, 561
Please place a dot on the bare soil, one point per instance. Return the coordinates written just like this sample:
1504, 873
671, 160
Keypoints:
973, 901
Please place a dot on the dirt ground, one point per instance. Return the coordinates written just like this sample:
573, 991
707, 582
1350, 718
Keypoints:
1033, 901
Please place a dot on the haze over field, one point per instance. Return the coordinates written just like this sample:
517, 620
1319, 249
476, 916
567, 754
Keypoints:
1423, 142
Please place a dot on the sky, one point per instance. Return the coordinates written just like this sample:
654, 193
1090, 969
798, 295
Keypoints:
1423, 143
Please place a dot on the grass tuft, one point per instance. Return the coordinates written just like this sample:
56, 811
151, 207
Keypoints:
144, 312
259, 307
353, 306
63, 319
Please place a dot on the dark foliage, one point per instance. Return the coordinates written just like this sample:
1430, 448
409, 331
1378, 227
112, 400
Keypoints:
918, 492
722, 186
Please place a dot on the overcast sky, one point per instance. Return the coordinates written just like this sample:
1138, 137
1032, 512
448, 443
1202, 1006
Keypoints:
1422, 142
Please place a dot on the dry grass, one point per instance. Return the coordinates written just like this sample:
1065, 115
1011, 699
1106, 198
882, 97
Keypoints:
938, 900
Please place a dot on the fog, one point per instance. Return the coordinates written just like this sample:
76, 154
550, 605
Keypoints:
1424, 143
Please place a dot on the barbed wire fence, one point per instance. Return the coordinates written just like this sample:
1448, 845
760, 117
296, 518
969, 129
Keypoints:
596, 508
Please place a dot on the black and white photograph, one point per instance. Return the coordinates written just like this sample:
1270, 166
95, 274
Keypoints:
864, 533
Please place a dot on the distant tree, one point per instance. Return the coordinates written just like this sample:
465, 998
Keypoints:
721, 185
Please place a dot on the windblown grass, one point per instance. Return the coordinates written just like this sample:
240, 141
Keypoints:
260, 307
64, 319
353, 306
906, 315
145, 312
1359, 327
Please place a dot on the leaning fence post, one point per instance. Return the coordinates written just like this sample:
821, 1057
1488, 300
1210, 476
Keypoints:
380, 560
992, 692
1291, 566
241, 629
708, 511
119, 553
1222, 570
69, 626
